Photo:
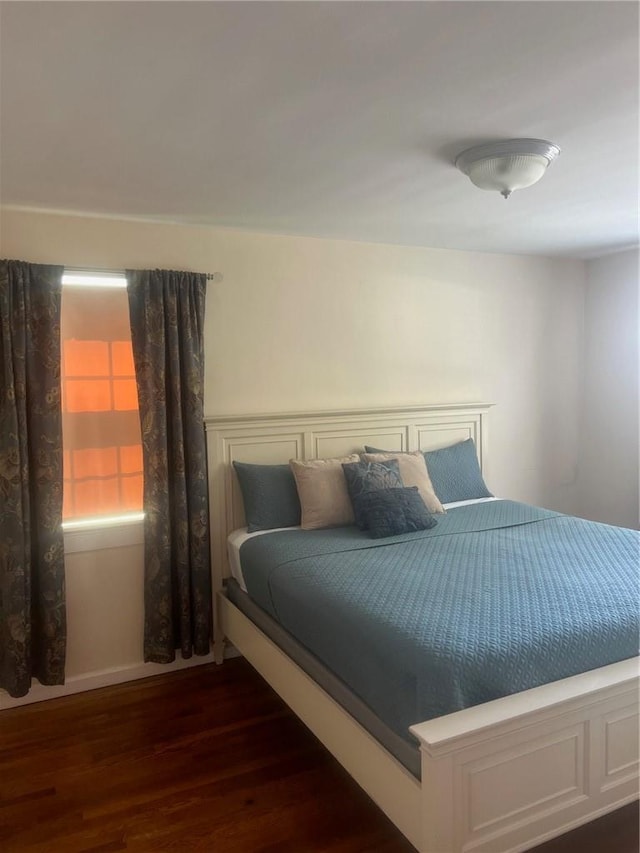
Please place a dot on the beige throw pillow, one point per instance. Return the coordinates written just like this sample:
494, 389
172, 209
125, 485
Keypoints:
413, 470
322, 490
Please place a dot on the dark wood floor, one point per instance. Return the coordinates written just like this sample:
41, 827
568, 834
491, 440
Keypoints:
203, 760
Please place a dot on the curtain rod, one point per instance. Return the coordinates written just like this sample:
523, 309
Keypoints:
211, 276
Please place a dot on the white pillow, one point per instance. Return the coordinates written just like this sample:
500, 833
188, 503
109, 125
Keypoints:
322, 490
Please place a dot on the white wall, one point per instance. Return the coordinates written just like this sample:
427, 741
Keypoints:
307, 324
608, 483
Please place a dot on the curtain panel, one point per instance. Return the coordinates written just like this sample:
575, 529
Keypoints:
167, 317
32, 582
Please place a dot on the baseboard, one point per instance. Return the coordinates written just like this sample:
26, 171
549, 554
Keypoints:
100, 678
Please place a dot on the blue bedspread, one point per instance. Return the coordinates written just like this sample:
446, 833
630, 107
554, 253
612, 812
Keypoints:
499, 597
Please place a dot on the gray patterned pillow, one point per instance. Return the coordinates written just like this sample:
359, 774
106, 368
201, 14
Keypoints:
413, 470
390, 512
363, 477
269, 495
455, 472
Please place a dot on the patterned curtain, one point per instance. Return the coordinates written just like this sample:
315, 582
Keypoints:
167, 314
32, 588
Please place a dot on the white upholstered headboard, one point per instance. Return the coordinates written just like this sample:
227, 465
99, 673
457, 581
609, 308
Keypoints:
272, 439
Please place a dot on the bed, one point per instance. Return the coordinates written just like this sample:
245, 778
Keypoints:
482, 779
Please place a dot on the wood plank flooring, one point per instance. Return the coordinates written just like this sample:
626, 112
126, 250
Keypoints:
208, 759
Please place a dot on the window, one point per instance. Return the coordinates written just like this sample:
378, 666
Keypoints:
100, 423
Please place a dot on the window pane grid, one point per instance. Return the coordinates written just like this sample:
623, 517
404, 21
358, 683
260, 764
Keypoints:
101, 435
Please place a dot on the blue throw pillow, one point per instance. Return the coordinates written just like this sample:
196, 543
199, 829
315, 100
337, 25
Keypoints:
454, 471
363, 477
269, 494
390, 512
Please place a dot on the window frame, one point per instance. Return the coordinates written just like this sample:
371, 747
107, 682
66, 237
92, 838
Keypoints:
109, 532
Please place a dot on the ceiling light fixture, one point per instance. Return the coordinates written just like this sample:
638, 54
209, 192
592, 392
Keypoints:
509, 165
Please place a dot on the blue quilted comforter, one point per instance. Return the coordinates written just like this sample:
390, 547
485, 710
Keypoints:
499, 597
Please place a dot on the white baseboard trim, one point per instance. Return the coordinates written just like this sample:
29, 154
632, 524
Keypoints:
100, 678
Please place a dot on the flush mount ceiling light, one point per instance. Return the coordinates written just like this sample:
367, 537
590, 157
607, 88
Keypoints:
509, 165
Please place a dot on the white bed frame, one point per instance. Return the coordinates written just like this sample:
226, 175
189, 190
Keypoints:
503, 776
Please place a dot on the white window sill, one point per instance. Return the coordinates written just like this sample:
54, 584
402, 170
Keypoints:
95, 534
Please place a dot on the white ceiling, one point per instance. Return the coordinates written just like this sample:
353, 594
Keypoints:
333, 119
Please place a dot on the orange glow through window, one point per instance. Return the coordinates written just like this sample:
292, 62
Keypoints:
101, 429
